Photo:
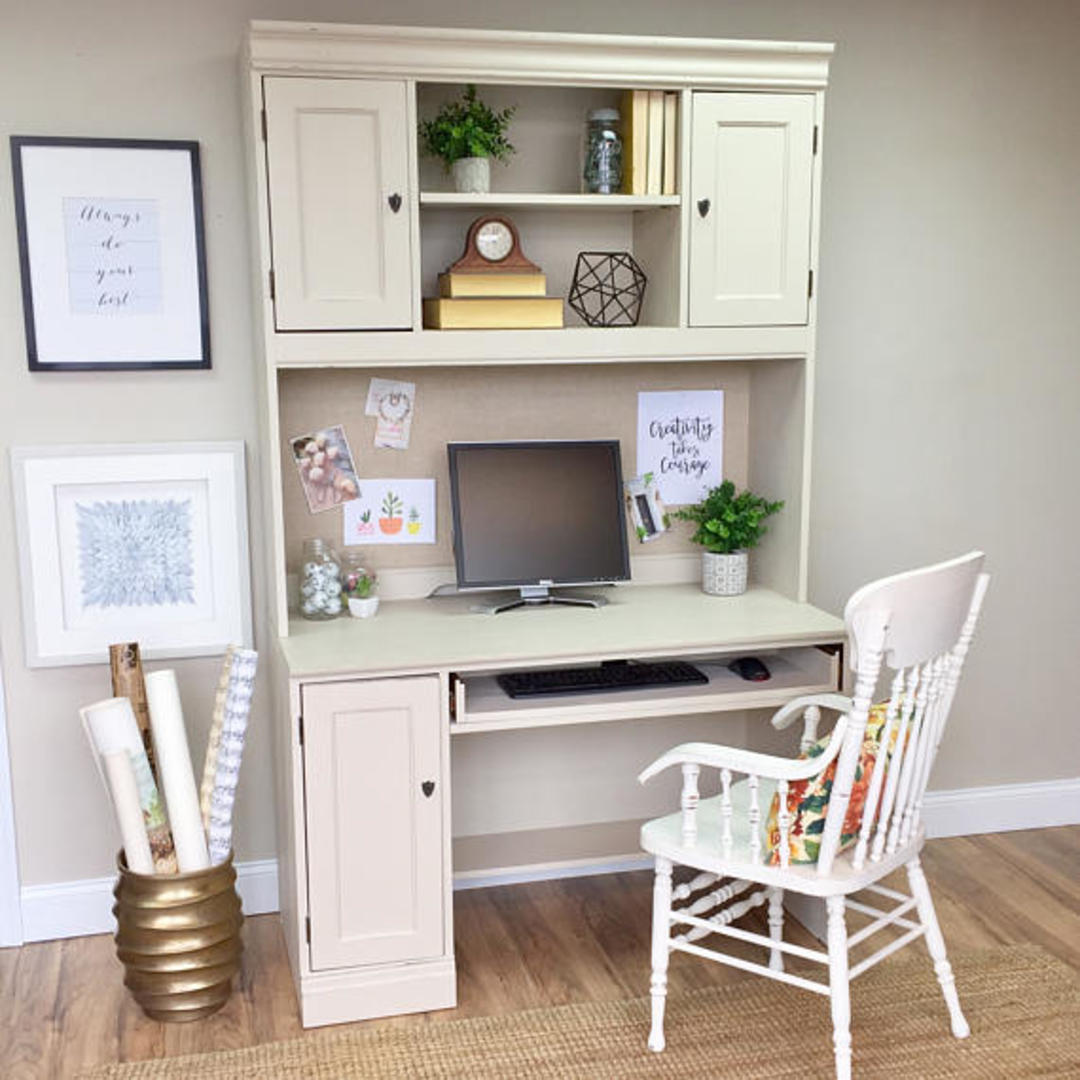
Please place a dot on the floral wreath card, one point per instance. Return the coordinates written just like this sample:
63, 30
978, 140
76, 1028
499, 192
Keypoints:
391, 512
392, 403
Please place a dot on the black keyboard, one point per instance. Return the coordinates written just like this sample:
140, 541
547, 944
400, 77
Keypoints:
599, 680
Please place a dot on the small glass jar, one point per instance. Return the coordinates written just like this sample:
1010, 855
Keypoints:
320, 581
603, 153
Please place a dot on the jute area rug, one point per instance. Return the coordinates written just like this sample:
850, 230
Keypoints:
1023, 1006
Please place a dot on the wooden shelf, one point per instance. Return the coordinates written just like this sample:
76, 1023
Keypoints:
793, 671
421, 348
541, 201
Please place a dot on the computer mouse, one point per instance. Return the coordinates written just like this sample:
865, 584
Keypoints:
749, 668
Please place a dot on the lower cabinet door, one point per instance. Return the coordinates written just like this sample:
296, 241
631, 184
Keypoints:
374, 805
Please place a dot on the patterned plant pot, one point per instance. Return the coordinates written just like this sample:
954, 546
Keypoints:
724, 575
472, 174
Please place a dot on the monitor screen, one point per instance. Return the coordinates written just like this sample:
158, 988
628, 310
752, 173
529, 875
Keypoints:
534, 513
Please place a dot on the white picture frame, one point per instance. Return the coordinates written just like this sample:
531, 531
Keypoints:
142, 542
111, 253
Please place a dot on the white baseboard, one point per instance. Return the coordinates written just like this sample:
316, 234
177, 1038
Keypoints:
72, 908
1002, 808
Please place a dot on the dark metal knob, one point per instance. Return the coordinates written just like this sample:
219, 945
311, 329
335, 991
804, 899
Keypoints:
703, 206
428, 788
395, 202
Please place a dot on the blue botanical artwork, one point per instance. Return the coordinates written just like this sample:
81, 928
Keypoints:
136, 553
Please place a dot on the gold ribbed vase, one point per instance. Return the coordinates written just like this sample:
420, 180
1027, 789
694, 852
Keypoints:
178, 937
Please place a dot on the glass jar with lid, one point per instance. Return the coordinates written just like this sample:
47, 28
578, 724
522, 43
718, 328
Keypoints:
320, 581
603, 153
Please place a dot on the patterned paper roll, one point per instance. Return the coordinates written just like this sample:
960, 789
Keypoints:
127, 681
110, 726
206, 788
125, 797
174, 764
230, 751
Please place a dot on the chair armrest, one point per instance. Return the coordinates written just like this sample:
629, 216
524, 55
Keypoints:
784, 716
748, 761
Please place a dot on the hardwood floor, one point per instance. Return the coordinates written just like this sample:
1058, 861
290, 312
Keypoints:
518, 947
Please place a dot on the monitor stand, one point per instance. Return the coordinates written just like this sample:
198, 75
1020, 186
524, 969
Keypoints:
538, 596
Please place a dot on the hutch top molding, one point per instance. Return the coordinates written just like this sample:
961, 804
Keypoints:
459, 55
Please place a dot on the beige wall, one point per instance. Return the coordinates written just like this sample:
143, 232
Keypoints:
948, 392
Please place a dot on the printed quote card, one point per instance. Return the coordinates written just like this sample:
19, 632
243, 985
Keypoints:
680, 440
391, 512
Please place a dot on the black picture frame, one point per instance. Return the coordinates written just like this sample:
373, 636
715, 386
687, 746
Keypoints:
39, 238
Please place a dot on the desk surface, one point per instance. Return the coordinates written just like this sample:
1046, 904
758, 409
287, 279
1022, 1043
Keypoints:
443, 634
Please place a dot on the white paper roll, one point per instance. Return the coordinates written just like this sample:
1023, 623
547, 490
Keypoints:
174, 769
125, 797
110, 727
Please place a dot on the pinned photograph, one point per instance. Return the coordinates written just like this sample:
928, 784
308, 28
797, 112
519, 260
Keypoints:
325, 464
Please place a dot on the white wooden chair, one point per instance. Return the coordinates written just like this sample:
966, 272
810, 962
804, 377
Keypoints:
918, 625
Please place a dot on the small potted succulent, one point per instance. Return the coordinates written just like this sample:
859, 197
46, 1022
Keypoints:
358, 588
728, 525
466, 134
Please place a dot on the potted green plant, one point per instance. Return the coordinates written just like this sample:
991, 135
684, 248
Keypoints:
728, 525
358, 588
466, 134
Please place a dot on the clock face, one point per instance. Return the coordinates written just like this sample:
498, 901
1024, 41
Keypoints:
494, 240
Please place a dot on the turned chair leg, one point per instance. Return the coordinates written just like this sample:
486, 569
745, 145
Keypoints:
776, 927
935, 945
839, 987
660, 953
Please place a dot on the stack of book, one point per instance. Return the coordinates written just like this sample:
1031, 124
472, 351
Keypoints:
650, 124
493, 301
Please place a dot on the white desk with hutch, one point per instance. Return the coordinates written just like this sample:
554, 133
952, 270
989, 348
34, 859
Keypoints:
371, 716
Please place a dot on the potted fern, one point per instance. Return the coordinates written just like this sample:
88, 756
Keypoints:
728, 525
466, 134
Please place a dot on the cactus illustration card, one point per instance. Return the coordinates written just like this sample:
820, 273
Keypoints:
391, 512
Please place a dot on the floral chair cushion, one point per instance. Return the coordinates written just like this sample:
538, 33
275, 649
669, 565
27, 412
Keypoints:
808, 800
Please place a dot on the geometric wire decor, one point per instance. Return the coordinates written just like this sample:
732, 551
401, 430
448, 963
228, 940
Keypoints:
608, 288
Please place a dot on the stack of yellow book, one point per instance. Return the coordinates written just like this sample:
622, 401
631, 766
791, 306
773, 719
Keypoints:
650, 125
493, 301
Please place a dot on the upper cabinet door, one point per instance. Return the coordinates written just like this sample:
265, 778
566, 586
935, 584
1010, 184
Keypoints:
337, 161
751, 182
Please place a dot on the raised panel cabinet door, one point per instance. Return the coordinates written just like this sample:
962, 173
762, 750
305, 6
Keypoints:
337, 166
751, 186
374, 798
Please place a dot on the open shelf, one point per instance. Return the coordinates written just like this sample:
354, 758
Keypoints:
482, 705
515, 856
492, 199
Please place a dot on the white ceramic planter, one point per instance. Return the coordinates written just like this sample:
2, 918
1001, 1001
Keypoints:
363, 608
472, 174
724, 575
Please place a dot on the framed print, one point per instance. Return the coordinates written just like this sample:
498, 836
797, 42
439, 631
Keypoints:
111, 253
136, 542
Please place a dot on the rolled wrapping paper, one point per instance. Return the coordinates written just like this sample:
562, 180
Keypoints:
110, 726
127, 681
241, 686
125, 796
174, 767
206, 788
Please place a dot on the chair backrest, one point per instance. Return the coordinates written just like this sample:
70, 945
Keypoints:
918, 626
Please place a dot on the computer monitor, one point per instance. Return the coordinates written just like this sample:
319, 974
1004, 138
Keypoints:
534, 515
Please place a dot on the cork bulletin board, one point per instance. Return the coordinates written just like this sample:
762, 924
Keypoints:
561, 401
